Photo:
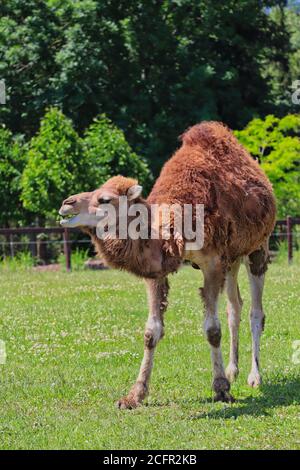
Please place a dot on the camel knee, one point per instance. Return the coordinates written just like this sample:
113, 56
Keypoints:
153, 333
258, 262
214, 336
212, 329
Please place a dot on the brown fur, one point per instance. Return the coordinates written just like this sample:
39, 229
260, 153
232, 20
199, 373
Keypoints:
212, 168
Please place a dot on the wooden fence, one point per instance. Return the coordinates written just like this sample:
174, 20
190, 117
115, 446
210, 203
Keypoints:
9, 232
286, 232
285, 227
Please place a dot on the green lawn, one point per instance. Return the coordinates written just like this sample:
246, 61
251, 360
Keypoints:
74, 344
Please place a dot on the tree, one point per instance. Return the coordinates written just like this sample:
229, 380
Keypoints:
12, 163
107, 153
276, 144
55, 166
60, 163
157, 67
283, 71
30, 37
154, 68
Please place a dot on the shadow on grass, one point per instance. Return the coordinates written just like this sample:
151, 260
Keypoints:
274, 393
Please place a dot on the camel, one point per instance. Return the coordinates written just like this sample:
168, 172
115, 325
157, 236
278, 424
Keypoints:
211, 167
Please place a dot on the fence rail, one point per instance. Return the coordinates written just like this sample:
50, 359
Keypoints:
288, 223
9, 232
285, 225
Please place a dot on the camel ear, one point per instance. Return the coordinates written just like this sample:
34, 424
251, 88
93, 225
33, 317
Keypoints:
134, 192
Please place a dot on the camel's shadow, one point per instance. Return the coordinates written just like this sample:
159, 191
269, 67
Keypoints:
274, 393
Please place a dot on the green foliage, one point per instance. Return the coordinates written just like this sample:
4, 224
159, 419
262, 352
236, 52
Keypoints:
30, 37
276, 144
293, 26
55, 165
60, 163
22, 261
107, 153
153, 67
11, 166
78, 258
281, 72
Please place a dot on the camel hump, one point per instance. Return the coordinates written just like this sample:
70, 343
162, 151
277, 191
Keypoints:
206, 134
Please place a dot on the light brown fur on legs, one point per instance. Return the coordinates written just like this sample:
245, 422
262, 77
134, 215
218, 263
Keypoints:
234, 307
154, 331
213, 284
257, 322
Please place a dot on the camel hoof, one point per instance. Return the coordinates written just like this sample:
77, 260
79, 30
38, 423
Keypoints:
225, 397
222, 387
232, 372
127, 403
254, 379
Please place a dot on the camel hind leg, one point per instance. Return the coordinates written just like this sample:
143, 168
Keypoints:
256, 265
234, 307
213, 283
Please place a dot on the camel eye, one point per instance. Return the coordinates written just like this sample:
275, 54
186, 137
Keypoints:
104, 200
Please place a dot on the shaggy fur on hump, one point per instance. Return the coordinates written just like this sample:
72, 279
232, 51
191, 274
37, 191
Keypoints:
212, 168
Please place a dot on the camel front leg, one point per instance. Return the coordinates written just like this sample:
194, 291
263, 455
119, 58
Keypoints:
154, 331
213, 282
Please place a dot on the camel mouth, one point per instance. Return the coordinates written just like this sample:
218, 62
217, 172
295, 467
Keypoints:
67, 212
67, 219
79, 220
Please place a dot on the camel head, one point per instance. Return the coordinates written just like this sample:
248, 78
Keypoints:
84, 209
110, 192
75, 211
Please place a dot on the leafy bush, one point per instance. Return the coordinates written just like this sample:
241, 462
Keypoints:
78, 258
55, 165
108, 153
22, 261
60, 163
275, 143
12, 163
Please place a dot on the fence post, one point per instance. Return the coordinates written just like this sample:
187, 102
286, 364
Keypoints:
289, 230
33, 245
67, 249
11, 244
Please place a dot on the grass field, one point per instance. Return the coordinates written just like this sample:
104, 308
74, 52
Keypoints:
74, 343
